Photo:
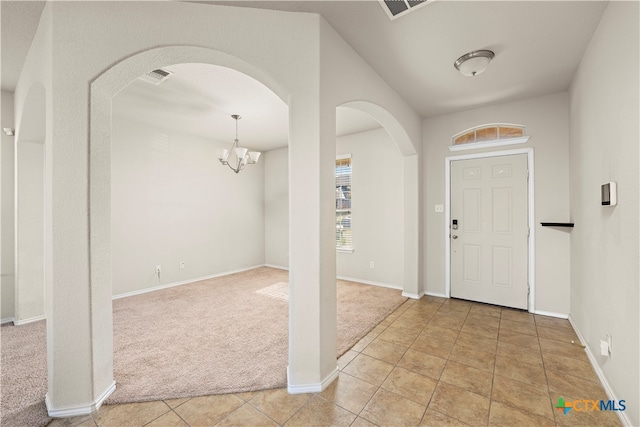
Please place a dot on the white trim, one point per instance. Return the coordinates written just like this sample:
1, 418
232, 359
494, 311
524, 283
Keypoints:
551, 314
279, 267
343, 156
531, 200
314, 387
435, 294
412, 296
29, 320
183, 282
7, 320
487, 144
350, 279
369, 282
344, 250
74, 411
603, 379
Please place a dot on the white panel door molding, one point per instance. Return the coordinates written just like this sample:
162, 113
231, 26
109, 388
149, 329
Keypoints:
489, 223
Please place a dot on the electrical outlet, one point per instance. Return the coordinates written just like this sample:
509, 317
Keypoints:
181, 265
158, 269
372, 264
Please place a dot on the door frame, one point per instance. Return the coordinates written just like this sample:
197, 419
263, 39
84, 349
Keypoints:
531, 261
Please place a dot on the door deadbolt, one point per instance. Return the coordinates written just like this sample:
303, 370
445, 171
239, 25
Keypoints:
454, 236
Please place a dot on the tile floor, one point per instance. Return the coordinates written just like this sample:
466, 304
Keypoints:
432, 362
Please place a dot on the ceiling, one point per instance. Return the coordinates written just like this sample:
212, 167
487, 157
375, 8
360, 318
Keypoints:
199, 99
19, 21
538, 46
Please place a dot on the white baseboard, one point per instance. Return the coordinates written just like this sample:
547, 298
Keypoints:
75, 411
551, 314
436, 294
279, 267
412, 296
603, 380
350, 279
369, 282
184, 282
7, 320
29, 320
312, 388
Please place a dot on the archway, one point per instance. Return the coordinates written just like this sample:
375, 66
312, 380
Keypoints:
96, 377
409, 187
176, 207
81, 387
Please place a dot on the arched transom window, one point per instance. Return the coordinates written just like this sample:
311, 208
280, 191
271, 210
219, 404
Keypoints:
489, 135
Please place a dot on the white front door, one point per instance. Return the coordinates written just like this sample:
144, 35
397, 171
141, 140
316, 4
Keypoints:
489, 230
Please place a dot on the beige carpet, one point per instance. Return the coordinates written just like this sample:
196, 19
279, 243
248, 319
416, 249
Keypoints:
221, 335
213, 336
24, 375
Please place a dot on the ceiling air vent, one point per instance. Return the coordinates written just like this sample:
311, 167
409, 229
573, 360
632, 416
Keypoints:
156, 76
398, 8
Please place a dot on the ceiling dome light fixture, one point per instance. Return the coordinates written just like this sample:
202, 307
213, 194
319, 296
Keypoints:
473, 63
240, 155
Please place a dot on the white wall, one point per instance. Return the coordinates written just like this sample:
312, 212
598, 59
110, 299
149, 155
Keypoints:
377, 209
172, 202
29, 210
30, 230
546, 121
605, 243
7, 250
377, 217
276, 207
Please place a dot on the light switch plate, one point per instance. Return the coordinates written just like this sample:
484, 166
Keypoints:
439, 208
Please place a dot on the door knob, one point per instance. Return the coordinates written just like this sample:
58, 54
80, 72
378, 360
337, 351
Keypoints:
454, 236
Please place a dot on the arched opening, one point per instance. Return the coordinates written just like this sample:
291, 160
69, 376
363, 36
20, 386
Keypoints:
29, 208
393, 127
312, 332
188, 237
389, 224
369, 222
94, 381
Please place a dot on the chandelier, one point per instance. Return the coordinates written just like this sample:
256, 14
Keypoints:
237, 157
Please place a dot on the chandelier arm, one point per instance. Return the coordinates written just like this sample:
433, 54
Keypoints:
238, 168
232, 168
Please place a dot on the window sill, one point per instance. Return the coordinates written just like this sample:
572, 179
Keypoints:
345, 250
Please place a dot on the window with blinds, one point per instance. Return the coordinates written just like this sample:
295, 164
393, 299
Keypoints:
344, 239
